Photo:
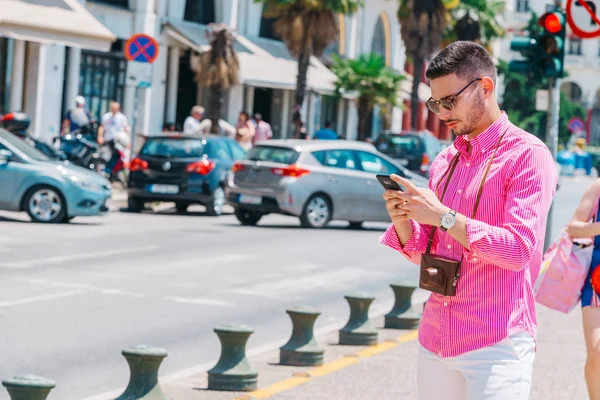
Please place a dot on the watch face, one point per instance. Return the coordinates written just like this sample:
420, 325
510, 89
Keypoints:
447, 220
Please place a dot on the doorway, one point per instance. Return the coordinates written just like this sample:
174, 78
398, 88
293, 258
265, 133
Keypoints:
187, 90
263, 99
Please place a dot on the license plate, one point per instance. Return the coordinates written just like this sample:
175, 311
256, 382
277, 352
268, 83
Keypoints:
247, 199
163, 189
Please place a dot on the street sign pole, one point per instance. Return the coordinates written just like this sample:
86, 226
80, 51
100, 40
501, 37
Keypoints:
552, 141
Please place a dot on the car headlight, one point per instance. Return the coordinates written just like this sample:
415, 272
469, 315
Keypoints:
86, 184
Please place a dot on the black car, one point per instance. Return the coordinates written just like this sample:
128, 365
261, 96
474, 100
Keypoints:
414, 150
182, 169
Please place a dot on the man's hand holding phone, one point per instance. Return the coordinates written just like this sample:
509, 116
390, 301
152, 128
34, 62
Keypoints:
393, 202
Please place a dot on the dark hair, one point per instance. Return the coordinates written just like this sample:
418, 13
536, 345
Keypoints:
468, 60
244, 113
327, 124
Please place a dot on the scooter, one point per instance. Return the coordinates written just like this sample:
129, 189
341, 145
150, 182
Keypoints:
17, 124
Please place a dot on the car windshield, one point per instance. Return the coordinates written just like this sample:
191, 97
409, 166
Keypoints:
283, 155
406, 144
174, 148
21, 146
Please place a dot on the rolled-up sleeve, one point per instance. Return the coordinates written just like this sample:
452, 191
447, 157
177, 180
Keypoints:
530, 190
414, 247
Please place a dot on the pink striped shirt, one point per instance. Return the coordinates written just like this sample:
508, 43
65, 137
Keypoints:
494, 297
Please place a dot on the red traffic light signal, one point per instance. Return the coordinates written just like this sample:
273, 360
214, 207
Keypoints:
552, 22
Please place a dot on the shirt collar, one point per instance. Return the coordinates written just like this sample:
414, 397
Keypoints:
486, 140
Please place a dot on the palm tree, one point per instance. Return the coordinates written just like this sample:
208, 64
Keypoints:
422, 26
374, 83
218, 70
477, 21
307, 27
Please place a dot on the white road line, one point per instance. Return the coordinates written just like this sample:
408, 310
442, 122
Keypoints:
206, 302
297, 287
86, 256
59, 295
84, 286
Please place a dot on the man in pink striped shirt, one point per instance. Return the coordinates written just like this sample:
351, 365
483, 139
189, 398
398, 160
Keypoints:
480, 343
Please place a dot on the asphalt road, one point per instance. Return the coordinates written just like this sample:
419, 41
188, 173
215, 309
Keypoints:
73, 296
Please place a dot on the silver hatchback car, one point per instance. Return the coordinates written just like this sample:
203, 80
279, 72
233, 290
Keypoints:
316, 180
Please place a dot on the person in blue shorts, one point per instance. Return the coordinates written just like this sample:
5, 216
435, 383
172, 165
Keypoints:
581, 227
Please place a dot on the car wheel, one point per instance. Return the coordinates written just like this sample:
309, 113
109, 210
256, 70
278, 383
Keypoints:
215, 208
317, 212
134, 205
246, 217
181, 207
45, 204
355, 225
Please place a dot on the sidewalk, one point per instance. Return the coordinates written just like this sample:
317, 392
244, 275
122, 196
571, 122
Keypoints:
388, 371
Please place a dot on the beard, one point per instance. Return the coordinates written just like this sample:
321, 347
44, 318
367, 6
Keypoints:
473, 117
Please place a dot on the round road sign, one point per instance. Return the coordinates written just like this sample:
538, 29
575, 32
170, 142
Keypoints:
141, 48
582, 18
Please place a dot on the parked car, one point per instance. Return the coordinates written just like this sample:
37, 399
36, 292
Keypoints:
182, 169
48, 190
317, 181
413, 150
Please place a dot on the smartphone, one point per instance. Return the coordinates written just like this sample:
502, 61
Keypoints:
388, 183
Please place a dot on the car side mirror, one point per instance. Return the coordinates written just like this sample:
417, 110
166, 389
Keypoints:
5, 156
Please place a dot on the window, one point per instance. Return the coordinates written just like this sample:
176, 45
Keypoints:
522, 6
575, 46
200, 11
372, 163
118, 3
378, 45
267, 27
283, 155
102, 80
174, 148
336, 159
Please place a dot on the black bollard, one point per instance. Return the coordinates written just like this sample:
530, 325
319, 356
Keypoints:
143, 363
358, 330
302, 349
28, 387
233, 371
403, 315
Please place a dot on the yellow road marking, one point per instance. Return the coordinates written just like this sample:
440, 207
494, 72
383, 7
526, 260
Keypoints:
330, 367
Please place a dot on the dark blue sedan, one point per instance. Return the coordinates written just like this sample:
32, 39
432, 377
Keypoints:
182, 169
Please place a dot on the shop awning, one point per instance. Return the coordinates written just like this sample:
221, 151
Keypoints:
263, 63
65, 22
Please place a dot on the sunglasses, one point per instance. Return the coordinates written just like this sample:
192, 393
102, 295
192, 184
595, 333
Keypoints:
447, 103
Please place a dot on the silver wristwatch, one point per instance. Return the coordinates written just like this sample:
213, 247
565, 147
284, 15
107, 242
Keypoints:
448, 220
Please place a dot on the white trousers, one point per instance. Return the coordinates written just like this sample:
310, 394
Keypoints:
499, 372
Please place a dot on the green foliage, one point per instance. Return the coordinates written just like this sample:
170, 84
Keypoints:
276, 7
374, 83
476, 20
519, 104
369, 76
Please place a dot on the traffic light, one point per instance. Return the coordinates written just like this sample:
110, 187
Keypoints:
528, 47
552, 44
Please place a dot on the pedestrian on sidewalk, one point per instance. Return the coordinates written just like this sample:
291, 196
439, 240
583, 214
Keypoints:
262, 128
581, 227
245, 131
478, 235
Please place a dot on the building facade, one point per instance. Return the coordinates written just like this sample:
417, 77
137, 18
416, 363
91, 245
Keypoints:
582, 61
42, 78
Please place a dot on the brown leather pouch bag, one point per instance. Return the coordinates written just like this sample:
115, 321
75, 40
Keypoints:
439, 274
